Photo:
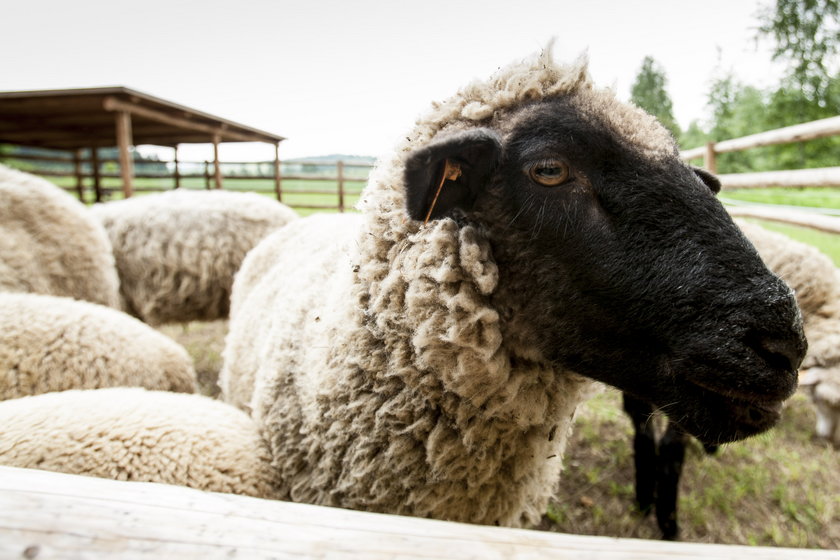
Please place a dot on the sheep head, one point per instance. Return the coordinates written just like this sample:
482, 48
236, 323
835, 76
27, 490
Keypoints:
616, 260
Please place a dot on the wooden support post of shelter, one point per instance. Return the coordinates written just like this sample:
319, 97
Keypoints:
77, 171
217, 169
340, 167
278, 178
176, 173
124, 145
97, 179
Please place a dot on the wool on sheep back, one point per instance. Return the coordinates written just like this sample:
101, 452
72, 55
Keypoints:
177, 252
50, 244
138, 435
49, 343
426, 368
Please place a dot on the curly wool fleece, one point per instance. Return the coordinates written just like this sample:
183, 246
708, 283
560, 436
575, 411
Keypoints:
50, 343
138, 435
385, 379
177, 252
50, 244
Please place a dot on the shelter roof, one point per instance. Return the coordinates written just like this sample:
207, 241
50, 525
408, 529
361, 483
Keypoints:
70, 119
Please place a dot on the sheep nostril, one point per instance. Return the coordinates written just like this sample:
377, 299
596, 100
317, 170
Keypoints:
783, 354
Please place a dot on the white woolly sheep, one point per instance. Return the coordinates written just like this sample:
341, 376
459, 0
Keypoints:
177, 251
138, 435
49, 243
50, 343
816, 284
432, 369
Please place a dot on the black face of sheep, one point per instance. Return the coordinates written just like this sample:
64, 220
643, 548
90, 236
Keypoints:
620, 264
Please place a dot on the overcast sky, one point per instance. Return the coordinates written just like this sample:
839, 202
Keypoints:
350, 76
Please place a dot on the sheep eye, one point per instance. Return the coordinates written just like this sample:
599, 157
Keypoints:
549, 173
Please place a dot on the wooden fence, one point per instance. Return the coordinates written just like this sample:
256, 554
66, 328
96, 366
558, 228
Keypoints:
819, 177
48, 515
332, 186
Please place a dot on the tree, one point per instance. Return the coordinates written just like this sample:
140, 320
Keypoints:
807, 37
649, 93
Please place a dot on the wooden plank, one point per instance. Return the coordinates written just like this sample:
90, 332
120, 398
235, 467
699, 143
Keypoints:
50, 515
114, 104
821, 222
818, 177
124, 143
797, 133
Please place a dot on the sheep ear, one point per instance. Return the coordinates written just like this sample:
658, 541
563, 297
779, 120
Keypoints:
462, 161
708, 178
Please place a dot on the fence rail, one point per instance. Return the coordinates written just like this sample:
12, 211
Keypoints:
53, 515
306, 185
819, 177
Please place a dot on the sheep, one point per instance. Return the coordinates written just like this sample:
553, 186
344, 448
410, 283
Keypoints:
50, 343
529, 234
177, 251
138, 435
49, 243
658, 459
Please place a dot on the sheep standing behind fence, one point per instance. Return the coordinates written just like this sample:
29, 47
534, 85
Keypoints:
425, 360
177, 252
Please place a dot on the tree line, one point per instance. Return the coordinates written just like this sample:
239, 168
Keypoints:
806, 37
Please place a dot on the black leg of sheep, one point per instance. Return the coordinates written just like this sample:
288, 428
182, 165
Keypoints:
658, 465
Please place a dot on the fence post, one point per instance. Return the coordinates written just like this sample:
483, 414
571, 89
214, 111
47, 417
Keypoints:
709, 158
97, 180
340, 166
217, 168
77, 170
177, 176
278, 178
207, 175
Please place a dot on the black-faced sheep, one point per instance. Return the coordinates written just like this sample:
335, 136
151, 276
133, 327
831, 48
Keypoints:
139, 435
177, 252
658, 457
50, 343
50, 244
432, 369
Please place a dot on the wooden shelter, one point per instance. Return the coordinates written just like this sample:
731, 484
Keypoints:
91, 118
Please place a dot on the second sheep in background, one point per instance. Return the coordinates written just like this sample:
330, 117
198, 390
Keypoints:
177, 252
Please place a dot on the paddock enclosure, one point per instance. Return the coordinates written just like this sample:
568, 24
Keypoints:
52, 515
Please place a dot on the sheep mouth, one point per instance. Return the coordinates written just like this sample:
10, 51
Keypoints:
723, 416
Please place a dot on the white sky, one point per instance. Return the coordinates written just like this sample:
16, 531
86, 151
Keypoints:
350, 76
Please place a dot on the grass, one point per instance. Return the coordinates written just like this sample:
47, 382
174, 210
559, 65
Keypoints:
779, 489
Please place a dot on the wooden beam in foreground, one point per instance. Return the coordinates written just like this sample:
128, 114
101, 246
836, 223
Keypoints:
49, 515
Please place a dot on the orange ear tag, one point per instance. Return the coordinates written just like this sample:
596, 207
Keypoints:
451, 172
